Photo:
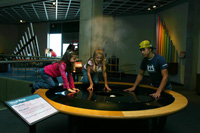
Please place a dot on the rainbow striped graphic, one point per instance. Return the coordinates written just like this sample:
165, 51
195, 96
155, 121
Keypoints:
165, 45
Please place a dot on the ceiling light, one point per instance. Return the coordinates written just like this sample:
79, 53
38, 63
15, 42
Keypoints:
149, 9
53, 4
154, 6
21, 21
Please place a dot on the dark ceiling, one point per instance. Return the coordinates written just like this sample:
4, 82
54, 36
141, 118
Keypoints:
68, 10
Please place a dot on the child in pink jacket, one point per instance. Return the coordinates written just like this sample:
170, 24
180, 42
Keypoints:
50, 73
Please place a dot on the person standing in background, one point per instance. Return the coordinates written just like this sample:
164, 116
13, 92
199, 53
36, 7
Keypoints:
53, 54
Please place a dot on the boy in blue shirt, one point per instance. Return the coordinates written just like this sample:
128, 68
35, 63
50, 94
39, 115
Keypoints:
157, 68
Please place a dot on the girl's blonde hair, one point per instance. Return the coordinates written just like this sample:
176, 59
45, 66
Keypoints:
95, 66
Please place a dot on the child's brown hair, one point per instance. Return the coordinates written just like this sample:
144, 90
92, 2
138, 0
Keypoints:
66, 58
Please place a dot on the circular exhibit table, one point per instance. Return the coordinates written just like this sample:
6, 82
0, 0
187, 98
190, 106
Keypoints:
116, 108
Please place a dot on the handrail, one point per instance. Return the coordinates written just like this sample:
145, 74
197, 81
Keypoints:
11, 55
24, 61
32, 59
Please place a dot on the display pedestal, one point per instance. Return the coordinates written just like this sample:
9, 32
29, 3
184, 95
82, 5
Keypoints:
32, 128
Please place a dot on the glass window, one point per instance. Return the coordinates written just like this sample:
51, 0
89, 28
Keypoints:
65, 46
55, 43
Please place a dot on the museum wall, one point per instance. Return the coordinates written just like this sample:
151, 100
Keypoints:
122, 35
175, 19
40, 30
198, 67
8, 38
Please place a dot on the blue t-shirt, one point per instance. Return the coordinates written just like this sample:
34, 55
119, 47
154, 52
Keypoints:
154, 67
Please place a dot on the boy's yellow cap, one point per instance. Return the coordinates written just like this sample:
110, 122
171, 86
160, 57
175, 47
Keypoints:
145, 44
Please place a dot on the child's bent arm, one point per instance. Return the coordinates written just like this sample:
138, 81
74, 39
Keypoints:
71, 80
105, 78
89, 76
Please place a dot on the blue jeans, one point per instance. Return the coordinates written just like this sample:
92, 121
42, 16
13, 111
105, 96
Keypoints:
94, 76
47, 82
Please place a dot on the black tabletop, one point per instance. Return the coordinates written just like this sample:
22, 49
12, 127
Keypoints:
115, 100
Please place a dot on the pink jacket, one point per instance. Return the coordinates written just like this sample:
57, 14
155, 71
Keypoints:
60, 71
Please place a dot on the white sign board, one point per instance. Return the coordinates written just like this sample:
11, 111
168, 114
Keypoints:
32, 109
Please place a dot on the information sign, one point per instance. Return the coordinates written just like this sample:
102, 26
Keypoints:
32, 109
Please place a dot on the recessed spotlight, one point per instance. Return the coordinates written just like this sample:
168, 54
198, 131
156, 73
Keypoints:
154, 6
53, 4
21, 21
149, 9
